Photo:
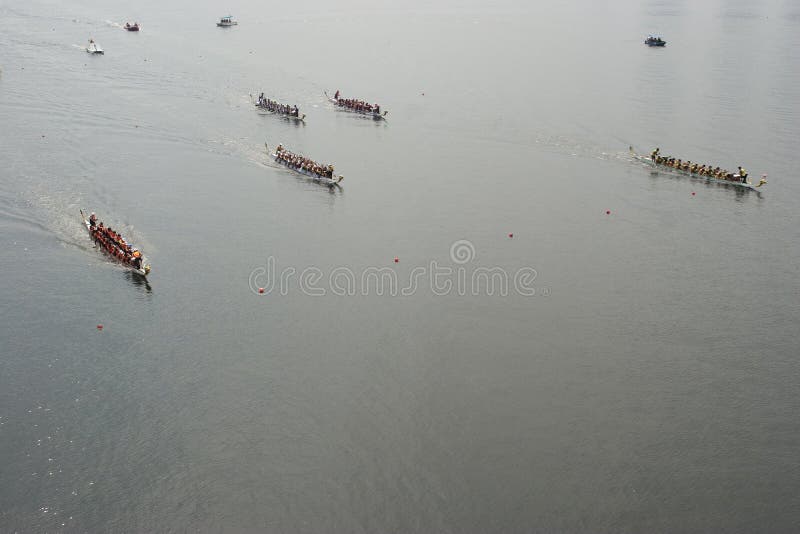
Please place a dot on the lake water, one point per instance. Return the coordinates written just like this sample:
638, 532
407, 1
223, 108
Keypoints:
627, 362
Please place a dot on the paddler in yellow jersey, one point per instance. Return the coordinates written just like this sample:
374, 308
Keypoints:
655, 153
743, 175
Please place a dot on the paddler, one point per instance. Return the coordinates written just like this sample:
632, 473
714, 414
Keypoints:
136, 261
336, 96
655, 153
92, 220
743, 175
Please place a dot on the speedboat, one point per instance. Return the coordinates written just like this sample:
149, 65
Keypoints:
93, 48
225, 22
132, 28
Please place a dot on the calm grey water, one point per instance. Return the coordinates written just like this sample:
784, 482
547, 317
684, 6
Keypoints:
649, 385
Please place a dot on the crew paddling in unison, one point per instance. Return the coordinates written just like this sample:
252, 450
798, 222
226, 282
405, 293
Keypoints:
276, 107
300, 162
115, 244
359, 106
740, 177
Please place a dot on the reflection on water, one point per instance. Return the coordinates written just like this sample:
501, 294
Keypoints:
138, 280
740, 192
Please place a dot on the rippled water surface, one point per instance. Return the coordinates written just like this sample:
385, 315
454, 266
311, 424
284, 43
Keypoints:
648, 384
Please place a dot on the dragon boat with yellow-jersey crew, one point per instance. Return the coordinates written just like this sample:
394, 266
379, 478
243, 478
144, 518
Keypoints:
701, 172
300, 164
115, 246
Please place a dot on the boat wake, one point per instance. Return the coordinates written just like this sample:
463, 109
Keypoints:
115, 24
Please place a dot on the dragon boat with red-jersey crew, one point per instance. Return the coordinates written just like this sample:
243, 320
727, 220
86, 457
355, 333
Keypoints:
114, 245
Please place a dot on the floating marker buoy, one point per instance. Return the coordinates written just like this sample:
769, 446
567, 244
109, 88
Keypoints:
99, 327
396, 259
510, 235
692, 193
608, 212
261, 290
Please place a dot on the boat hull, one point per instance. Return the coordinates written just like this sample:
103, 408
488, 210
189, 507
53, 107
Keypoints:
301, 118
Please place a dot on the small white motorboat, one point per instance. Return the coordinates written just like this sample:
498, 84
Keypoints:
225, 22
93, 48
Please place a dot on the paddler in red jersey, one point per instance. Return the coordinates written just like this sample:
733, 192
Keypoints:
336, 96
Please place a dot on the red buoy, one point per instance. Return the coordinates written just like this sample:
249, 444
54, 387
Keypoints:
692, 193
260, 289
99, 327
510, 235
608, 212
396, 259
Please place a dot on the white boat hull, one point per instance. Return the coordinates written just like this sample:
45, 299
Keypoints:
301, 118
